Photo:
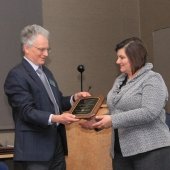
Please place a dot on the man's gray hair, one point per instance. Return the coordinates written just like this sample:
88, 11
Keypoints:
30, 32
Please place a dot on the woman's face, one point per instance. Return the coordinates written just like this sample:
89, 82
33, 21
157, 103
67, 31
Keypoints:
123, 62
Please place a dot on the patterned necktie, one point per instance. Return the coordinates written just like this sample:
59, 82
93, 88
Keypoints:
48, 88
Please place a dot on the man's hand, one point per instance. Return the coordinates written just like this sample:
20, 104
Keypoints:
81, 95
65, 118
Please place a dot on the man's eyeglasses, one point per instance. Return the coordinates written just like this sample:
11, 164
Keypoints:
42, 49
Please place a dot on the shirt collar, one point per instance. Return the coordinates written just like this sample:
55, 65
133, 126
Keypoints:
35, 67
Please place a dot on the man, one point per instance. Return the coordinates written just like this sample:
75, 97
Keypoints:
3, 166
38, 106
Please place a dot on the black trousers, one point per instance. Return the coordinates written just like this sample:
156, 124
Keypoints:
57, 163
158, 159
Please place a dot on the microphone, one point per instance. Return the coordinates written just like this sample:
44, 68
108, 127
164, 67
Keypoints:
81, 69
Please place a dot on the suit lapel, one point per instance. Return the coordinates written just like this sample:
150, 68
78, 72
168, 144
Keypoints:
31, 72
38, 81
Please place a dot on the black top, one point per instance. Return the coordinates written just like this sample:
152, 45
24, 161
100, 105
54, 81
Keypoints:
117, 144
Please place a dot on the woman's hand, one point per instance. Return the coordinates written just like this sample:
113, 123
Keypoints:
102, 122
88, 123
97, 122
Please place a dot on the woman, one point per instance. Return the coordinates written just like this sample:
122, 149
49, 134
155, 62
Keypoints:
140, 136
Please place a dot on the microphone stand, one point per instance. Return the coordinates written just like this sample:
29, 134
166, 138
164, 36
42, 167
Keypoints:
81, 69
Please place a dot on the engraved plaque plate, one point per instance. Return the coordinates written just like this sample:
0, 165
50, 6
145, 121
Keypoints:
87, 107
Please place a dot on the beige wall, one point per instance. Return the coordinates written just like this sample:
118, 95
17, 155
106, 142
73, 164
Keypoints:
85, 32
7, 138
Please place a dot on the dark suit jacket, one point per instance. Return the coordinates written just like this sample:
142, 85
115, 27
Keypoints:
35, 140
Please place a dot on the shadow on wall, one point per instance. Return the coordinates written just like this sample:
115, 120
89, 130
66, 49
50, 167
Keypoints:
161, 46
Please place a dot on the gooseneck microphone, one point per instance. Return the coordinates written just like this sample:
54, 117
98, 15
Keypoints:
81, 69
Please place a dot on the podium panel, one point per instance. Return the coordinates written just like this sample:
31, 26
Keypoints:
88, 149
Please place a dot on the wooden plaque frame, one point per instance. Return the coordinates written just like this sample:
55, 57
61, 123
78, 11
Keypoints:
87, 107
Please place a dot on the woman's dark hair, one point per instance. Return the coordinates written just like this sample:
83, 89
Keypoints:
135, 51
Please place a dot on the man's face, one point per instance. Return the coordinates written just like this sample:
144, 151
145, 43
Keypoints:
38, 52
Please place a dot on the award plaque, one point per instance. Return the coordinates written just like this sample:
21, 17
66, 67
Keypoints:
87, 107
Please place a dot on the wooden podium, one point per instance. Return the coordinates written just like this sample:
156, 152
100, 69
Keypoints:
88, 149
